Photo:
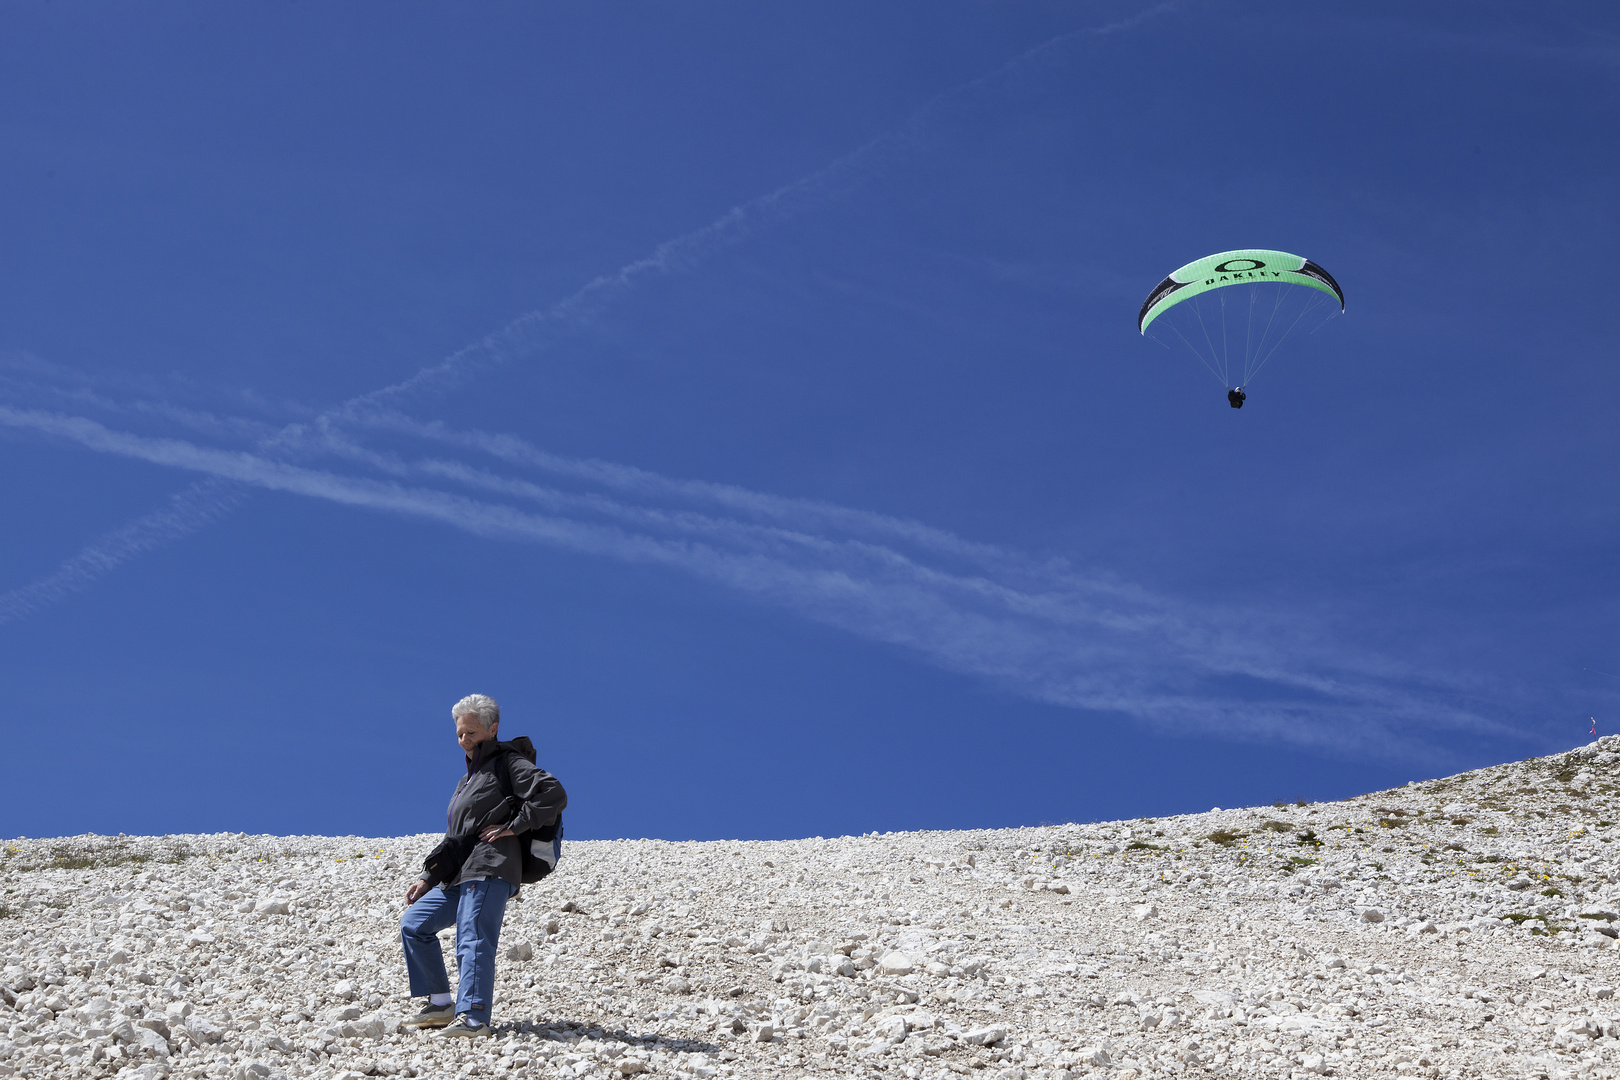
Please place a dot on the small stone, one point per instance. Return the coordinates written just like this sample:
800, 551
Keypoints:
1519, 884
985, 1036
1372, 915
938, 970
202, 1029
1093, 1055
764, 1033
1143, 911
521, 951
896, 963
151, 1041
117, 958
272, 907
344, 989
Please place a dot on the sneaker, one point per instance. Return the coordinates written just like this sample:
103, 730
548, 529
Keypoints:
466, 1028
431, 1016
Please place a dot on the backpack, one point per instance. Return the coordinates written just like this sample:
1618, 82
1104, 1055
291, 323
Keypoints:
541, 847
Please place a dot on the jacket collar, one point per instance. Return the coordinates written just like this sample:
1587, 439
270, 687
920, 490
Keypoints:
484, 751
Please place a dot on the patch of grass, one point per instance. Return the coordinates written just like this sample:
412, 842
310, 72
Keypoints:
1224, 838
1276, 826
1453, 847
1141, 846
1517, 917
1460, 820
1552, 892
94, 856
1307, 839
1606, 916
1489, 830
8, 912
1391, 822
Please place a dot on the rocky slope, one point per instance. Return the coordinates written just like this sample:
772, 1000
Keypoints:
1462, 927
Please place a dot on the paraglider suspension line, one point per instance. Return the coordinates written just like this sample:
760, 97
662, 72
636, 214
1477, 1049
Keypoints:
1190, 348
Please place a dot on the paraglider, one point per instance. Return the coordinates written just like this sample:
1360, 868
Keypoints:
1234, 310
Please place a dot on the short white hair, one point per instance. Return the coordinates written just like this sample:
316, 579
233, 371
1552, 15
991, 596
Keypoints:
480, 705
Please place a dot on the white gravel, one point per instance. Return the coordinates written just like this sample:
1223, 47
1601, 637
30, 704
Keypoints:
1458, 928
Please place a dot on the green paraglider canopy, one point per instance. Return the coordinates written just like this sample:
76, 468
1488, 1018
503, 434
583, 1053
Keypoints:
1235, 308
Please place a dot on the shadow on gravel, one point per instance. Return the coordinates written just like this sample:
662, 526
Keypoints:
571, 1030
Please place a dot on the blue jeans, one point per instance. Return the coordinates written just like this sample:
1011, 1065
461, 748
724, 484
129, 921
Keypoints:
476, 907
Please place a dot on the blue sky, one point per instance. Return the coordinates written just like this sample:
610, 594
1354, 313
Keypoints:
749, 398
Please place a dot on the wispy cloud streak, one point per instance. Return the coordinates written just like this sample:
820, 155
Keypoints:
185, 512
1042, 630
531, 333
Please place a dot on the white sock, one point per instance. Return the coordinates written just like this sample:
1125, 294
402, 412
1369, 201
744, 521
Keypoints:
439, 1001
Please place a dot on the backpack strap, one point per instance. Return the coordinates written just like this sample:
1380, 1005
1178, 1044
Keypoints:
503, 774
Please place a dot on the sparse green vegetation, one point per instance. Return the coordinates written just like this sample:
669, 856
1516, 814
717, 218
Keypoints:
1307, 839
1224, 838
101, 855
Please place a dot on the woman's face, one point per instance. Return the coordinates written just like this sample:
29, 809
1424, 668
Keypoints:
469, 732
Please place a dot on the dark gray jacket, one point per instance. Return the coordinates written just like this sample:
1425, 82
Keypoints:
479, 801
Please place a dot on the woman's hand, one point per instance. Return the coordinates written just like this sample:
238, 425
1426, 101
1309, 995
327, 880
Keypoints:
493, 833
414, 893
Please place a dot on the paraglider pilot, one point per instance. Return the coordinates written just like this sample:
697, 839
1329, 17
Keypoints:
1236, 397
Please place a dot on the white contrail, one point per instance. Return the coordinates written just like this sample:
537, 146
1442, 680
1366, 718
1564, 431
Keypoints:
1060, 639
528, 332
184, 513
